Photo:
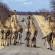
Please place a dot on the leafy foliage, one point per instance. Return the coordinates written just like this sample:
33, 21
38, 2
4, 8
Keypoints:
4, 12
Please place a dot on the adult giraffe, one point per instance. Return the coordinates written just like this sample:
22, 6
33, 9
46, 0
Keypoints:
31, 33
16, 27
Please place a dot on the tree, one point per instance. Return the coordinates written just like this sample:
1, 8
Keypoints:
53, 4
4, 12
52, 22
53, 7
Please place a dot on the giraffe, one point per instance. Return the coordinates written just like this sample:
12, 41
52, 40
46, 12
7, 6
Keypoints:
15, 27
31, 33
